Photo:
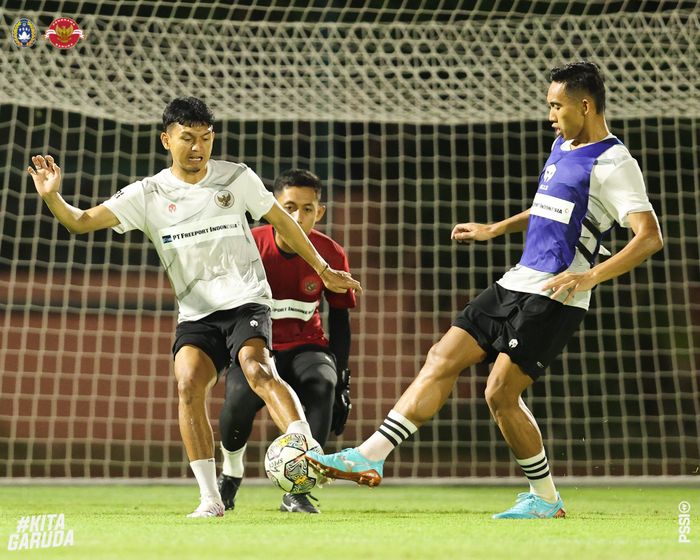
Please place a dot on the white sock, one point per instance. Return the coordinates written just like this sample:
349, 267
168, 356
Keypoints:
300, 427
536, 469
395, 429
233, 461
205, 472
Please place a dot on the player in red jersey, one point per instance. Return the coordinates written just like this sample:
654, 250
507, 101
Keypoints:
315, 366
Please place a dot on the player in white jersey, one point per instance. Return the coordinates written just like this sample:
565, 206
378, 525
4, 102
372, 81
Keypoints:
194, 214
522, 322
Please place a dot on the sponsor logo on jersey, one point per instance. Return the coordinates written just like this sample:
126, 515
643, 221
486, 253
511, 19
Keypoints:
64, 33
184, 235
293, 309
24, 33
551, 207
224, 199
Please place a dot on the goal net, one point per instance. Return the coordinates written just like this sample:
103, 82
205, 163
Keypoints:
417, 116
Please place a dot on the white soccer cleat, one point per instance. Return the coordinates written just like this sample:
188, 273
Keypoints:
209, 508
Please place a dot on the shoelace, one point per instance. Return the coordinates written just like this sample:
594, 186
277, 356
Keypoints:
304, 499
524, 496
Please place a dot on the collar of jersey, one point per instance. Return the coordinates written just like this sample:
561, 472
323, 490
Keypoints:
566, 144
180, 183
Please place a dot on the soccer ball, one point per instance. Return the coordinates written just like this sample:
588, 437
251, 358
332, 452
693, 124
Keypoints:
286, 466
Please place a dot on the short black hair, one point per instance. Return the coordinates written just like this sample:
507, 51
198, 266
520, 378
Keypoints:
297, 178
582, 76
188, 111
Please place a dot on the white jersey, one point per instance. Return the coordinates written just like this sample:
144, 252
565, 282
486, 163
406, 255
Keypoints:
201, 234
616, 190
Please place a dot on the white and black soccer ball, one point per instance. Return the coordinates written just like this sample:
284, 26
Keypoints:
286, 466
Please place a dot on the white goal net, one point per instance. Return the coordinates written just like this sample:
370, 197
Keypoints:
417, 115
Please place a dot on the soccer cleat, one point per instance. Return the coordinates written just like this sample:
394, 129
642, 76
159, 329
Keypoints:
348, 464
228, 487
298, 503
530, 506
209, 507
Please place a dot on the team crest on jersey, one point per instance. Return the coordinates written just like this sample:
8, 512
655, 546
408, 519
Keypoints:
172, 208
224, 199
311, 285
24, 33
549, 172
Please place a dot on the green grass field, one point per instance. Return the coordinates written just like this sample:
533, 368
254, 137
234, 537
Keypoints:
402, 522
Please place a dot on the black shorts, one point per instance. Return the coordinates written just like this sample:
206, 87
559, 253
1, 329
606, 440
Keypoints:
222, 334
530, 328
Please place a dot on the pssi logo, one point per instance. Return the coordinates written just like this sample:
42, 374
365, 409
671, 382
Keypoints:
24, 33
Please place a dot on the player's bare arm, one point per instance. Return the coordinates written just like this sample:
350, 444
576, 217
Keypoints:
466, 233
647, 240
46, 175
335, 280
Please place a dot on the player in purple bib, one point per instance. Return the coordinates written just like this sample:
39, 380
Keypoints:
523, 321
559, 209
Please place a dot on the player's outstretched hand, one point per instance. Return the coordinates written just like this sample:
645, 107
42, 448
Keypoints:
339, 281
566, 284
47, 176
466, 233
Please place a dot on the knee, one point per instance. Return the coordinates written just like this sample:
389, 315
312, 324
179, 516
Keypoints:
499, 398
439, 364
326, 388
192, 384
256, 373
317, 391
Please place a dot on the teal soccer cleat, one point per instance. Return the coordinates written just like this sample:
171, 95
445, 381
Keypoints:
530, 506
348, 464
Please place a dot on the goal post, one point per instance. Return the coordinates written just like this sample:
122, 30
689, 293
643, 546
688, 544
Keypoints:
415, 118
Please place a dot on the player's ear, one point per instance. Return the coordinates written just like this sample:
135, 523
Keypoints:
320, 212
585, 106
165, 140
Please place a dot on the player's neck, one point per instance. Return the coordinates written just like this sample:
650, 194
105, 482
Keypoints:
594, 132
188, 177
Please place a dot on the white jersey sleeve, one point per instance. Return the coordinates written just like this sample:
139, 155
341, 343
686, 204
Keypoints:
258, 200
129, 206
622, 190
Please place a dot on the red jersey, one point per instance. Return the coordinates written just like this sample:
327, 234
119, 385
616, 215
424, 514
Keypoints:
297, 289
